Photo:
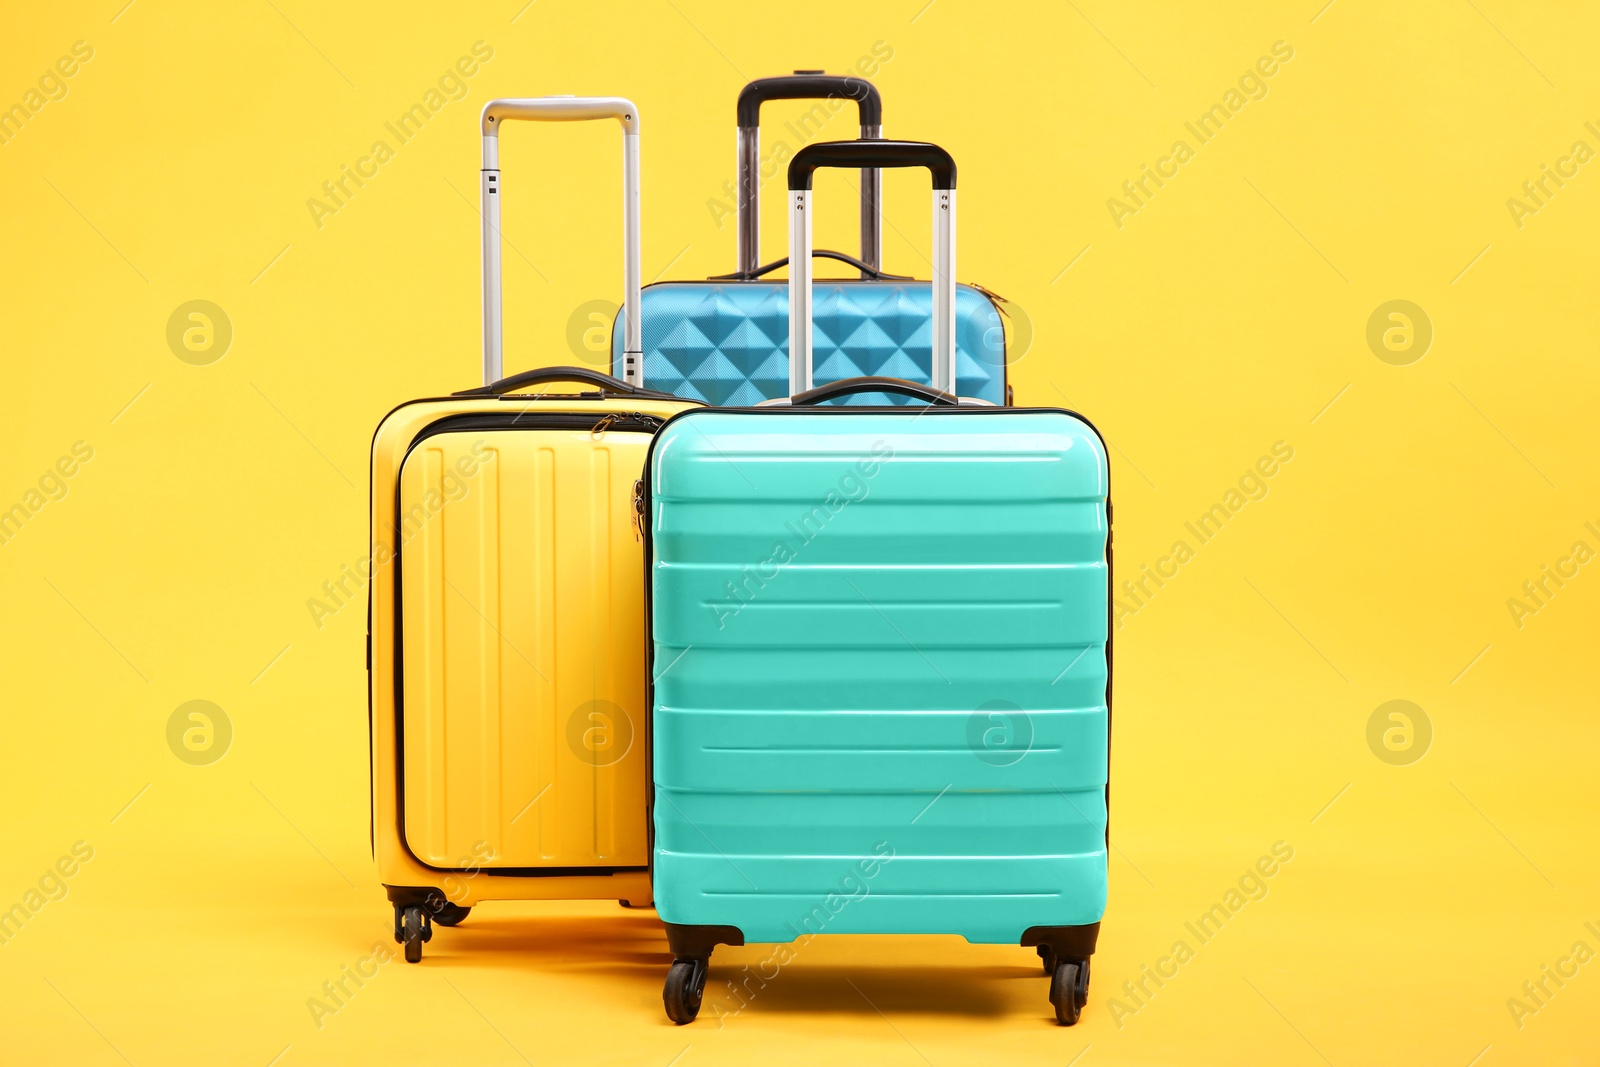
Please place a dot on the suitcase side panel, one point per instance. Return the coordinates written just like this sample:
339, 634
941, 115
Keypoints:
881, 681
727, 343
521, 697
397, 866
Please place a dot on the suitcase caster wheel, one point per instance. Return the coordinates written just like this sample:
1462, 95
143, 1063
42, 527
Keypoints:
630, 904
686, 985
415, 928
1069, 990
448, 914
1047, 956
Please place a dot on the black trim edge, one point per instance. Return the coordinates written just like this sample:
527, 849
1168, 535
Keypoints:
697, 942
1066, 941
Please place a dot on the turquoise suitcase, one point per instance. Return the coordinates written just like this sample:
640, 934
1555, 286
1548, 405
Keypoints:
724, 340
880, 657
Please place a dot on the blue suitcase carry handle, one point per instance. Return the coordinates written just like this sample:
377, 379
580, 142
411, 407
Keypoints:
868, 271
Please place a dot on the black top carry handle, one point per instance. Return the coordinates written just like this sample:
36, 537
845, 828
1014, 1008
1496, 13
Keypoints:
539, 376
804, 85
847, 386
867, 271
813, 157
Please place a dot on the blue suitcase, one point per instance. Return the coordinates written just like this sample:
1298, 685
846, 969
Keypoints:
880, 669
724, 340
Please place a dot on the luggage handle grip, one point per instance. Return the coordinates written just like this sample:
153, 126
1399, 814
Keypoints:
560, 109
868, 271
541, 375
814, 157
805, 85
877, 154
872, 384
810, 85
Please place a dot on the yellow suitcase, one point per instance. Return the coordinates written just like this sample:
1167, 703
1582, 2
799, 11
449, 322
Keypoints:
506, 671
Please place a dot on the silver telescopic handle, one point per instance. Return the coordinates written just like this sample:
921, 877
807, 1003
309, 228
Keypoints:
944, 290
561, 109
943, 370
799, 291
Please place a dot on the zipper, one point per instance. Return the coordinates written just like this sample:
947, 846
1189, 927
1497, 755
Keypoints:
636, 420
632, 421
638, 510
992, 295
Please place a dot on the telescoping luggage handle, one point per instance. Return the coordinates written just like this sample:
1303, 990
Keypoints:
805, 85
562, 109
873, 154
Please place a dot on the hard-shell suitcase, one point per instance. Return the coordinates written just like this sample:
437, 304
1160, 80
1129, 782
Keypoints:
725, 340
506, 677
880, 658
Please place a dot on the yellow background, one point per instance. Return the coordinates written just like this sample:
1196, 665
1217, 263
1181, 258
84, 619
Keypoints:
1223, 317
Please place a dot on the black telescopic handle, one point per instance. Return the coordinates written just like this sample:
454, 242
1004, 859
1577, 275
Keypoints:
847, 386
541, 375
805, 85
810, 87
880, 154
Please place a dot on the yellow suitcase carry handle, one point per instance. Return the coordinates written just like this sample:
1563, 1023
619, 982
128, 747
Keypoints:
608, 385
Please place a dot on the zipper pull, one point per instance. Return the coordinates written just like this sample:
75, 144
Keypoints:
638, 510
637, 417
992, 295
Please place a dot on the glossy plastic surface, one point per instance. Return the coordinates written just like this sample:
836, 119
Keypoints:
523, 677
507, 720
727, 343
880, 700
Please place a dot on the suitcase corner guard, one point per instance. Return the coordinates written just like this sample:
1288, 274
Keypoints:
1065, 941
697, 942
